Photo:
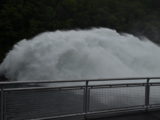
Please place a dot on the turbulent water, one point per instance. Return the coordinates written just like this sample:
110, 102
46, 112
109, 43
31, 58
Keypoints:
81, 54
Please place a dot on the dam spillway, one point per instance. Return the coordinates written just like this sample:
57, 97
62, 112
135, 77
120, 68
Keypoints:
81, 54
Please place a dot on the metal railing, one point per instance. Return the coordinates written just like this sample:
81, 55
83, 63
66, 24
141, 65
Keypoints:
73, 98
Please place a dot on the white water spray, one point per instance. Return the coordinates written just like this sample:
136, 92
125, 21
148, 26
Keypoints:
81, 54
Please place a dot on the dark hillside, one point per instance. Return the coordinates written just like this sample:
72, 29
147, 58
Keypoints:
25, 18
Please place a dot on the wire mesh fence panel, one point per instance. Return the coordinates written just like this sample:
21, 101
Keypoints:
31, 104
116, 98
154, 95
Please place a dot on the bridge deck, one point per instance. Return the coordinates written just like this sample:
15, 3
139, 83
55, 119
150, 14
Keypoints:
137, 116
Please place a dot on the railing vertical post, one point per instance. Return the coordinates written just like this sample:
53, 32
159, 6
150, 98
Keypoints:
86, 99
147, 94
2, 103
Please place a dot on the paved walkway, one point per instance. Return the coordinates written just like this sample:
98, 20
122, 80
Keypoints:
138, 116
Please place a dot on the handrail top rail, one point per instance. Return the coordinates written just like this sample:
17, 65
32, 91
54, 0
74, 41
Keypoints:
84, 80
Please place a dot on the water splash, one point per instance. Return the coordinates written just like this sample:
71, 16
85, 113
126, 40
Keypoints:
81, 54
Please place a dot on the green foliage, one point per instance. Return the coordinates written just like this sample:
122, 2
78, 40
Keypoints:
25, 18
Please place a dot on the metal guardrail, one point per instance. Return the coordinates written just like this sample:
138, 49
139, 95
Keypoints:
62, 99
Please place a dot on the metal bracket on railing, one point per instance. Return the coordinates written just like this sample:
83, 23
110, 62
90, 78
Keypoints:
86, 99
147, 94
